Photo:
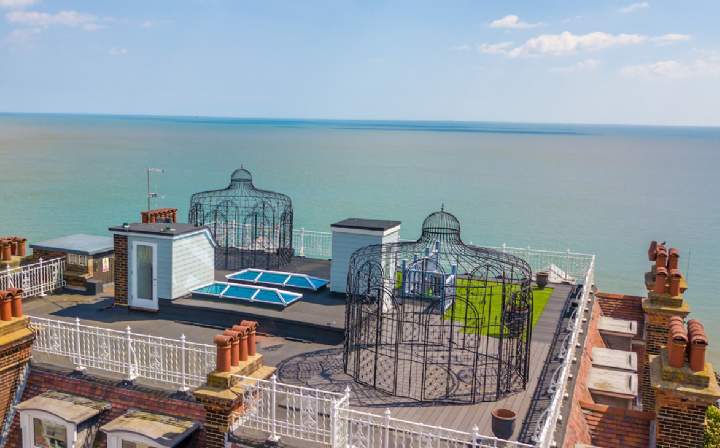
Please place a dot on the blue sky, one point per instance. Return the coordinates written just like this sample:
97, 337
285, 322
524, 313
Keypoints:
654, 62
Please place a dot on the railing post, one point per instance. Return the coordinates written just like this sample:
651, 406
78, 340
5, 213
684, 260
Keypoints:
40, 276
334, 423
386, 429
78, 349
274, 438
476, 432
130, 370
183, 365
302, 241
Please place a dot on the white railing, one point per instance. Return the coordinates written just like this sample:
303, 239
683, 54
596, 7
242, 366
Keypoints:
172, 361
312, 244
285, 410
545, 436
35, 279
315, 244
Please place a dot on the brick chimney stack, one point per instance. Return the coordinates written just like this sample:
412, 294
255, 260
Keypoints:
684, 386
166, 215
222, 397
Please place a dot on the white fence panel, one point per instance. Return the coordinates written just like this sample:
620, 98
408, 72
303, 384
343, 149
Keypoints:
312, 244
35, 279
285, 410
172, 361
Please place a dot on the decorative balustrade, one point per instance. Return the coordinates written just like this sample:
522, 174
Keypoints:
171, 361
35, 279
285, 410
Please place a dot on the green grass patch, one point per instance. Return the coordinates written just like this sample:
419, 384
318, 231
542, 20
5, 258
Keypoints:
487, 300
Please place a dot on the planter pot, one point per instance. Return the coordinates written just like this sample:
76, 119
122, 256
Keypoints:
503, 423
542, 279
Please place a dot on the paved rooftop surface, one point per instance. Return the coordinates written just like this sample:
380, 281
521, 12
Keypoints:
311, 354
366, 224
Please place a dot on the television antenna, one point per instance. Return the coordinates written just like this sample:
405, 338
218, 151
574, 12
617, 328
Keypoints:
151, 195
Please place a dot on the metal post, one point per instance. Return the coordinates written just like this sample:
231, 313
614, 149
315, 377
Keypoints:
78, 350
476, 434
386, 429
130, 371
302, 241
274, 438
42, 287
183, 374
334, 423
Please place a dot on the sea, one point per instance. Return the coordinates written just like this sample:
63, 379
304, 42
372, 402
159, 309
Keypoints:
607, 190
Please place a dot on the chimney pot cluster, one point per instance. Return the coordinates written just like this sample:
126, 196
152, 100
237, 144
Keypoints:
691, 342
235, 345
12, 246
667, 272
11, 303
164, 215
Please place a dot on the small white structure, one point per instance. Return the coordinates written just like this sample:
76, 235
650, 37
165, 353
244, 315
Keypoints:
352, 234
163, 261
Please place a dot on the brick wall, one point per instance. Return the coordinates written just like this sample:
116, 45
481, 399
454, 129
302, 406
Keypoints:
121, 269
680, 420
13, 357
121, 399
45, 255
622, 306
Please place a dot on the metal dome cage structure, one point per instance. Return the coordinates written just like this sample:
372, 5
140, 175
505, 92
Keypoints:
252, 227
437, 319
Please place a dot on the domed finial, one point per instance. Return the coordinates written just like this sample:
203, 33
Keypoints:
241, 175
442, 207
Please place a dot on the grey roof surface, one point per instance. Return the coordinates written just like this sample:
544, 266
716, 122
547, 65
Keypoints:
71, 408
165, 430
79, 243
366, 224
158, 228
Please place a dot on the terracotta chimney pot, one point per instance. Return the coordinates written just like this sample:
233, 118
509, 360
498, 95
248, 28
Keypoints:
22, 249
243, 331
661, 275
5, 305
6, 251
698, 345
675, 277
252, 329
661, 258
234, 347
677, 343
223, 359
16, 304
674, 260
652, 250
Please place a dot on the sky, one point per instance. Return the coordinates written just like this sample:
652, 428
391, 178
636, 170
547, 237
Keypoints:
617, 62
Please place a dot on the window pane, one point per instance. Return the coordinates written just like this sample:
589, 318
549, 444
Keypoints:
144, 271
47, 434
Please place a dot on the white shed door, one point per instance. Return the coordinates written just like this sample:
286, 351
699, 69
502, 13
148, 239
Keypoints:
143, 271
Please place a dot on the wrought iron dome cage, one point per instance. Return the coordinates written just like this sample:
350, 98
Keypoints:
437, 319
252, 227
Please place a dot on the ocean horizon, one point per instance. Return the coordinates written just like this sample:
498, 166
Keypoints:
603, 189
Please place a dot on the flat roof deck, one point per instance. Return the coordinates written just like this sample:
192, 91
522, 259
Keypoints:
305, 342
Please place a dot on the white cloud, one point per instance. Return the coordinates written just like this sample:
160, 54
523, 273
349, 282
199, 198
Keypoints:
672, 69
581, 66
21, 36
568, 43
499, 48
118, 51
72, 19
670, 38
148, 24
633, 7
512, 21
461, 47
13, 4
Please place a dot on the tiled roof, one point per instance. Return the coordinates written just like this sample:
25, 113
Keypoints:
612, 427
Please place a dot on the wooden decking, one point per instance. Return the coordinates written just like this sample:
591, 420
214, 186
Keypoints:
323, 369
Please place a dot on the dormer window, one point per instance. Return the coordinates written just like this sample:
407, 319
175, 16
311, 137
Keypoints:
59, 420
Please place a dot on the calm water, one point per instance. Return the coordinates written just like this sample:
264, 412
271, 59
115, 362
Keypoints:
601, 189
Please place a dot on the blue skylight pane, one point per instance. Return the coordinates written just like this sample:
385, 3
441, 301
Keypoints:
240, 292
318, 282
215, 289
268, 296
248, 275
272, 278
299, 282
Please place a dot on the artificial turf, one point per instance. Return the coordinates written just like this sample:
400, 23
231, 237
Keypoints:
487, 300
